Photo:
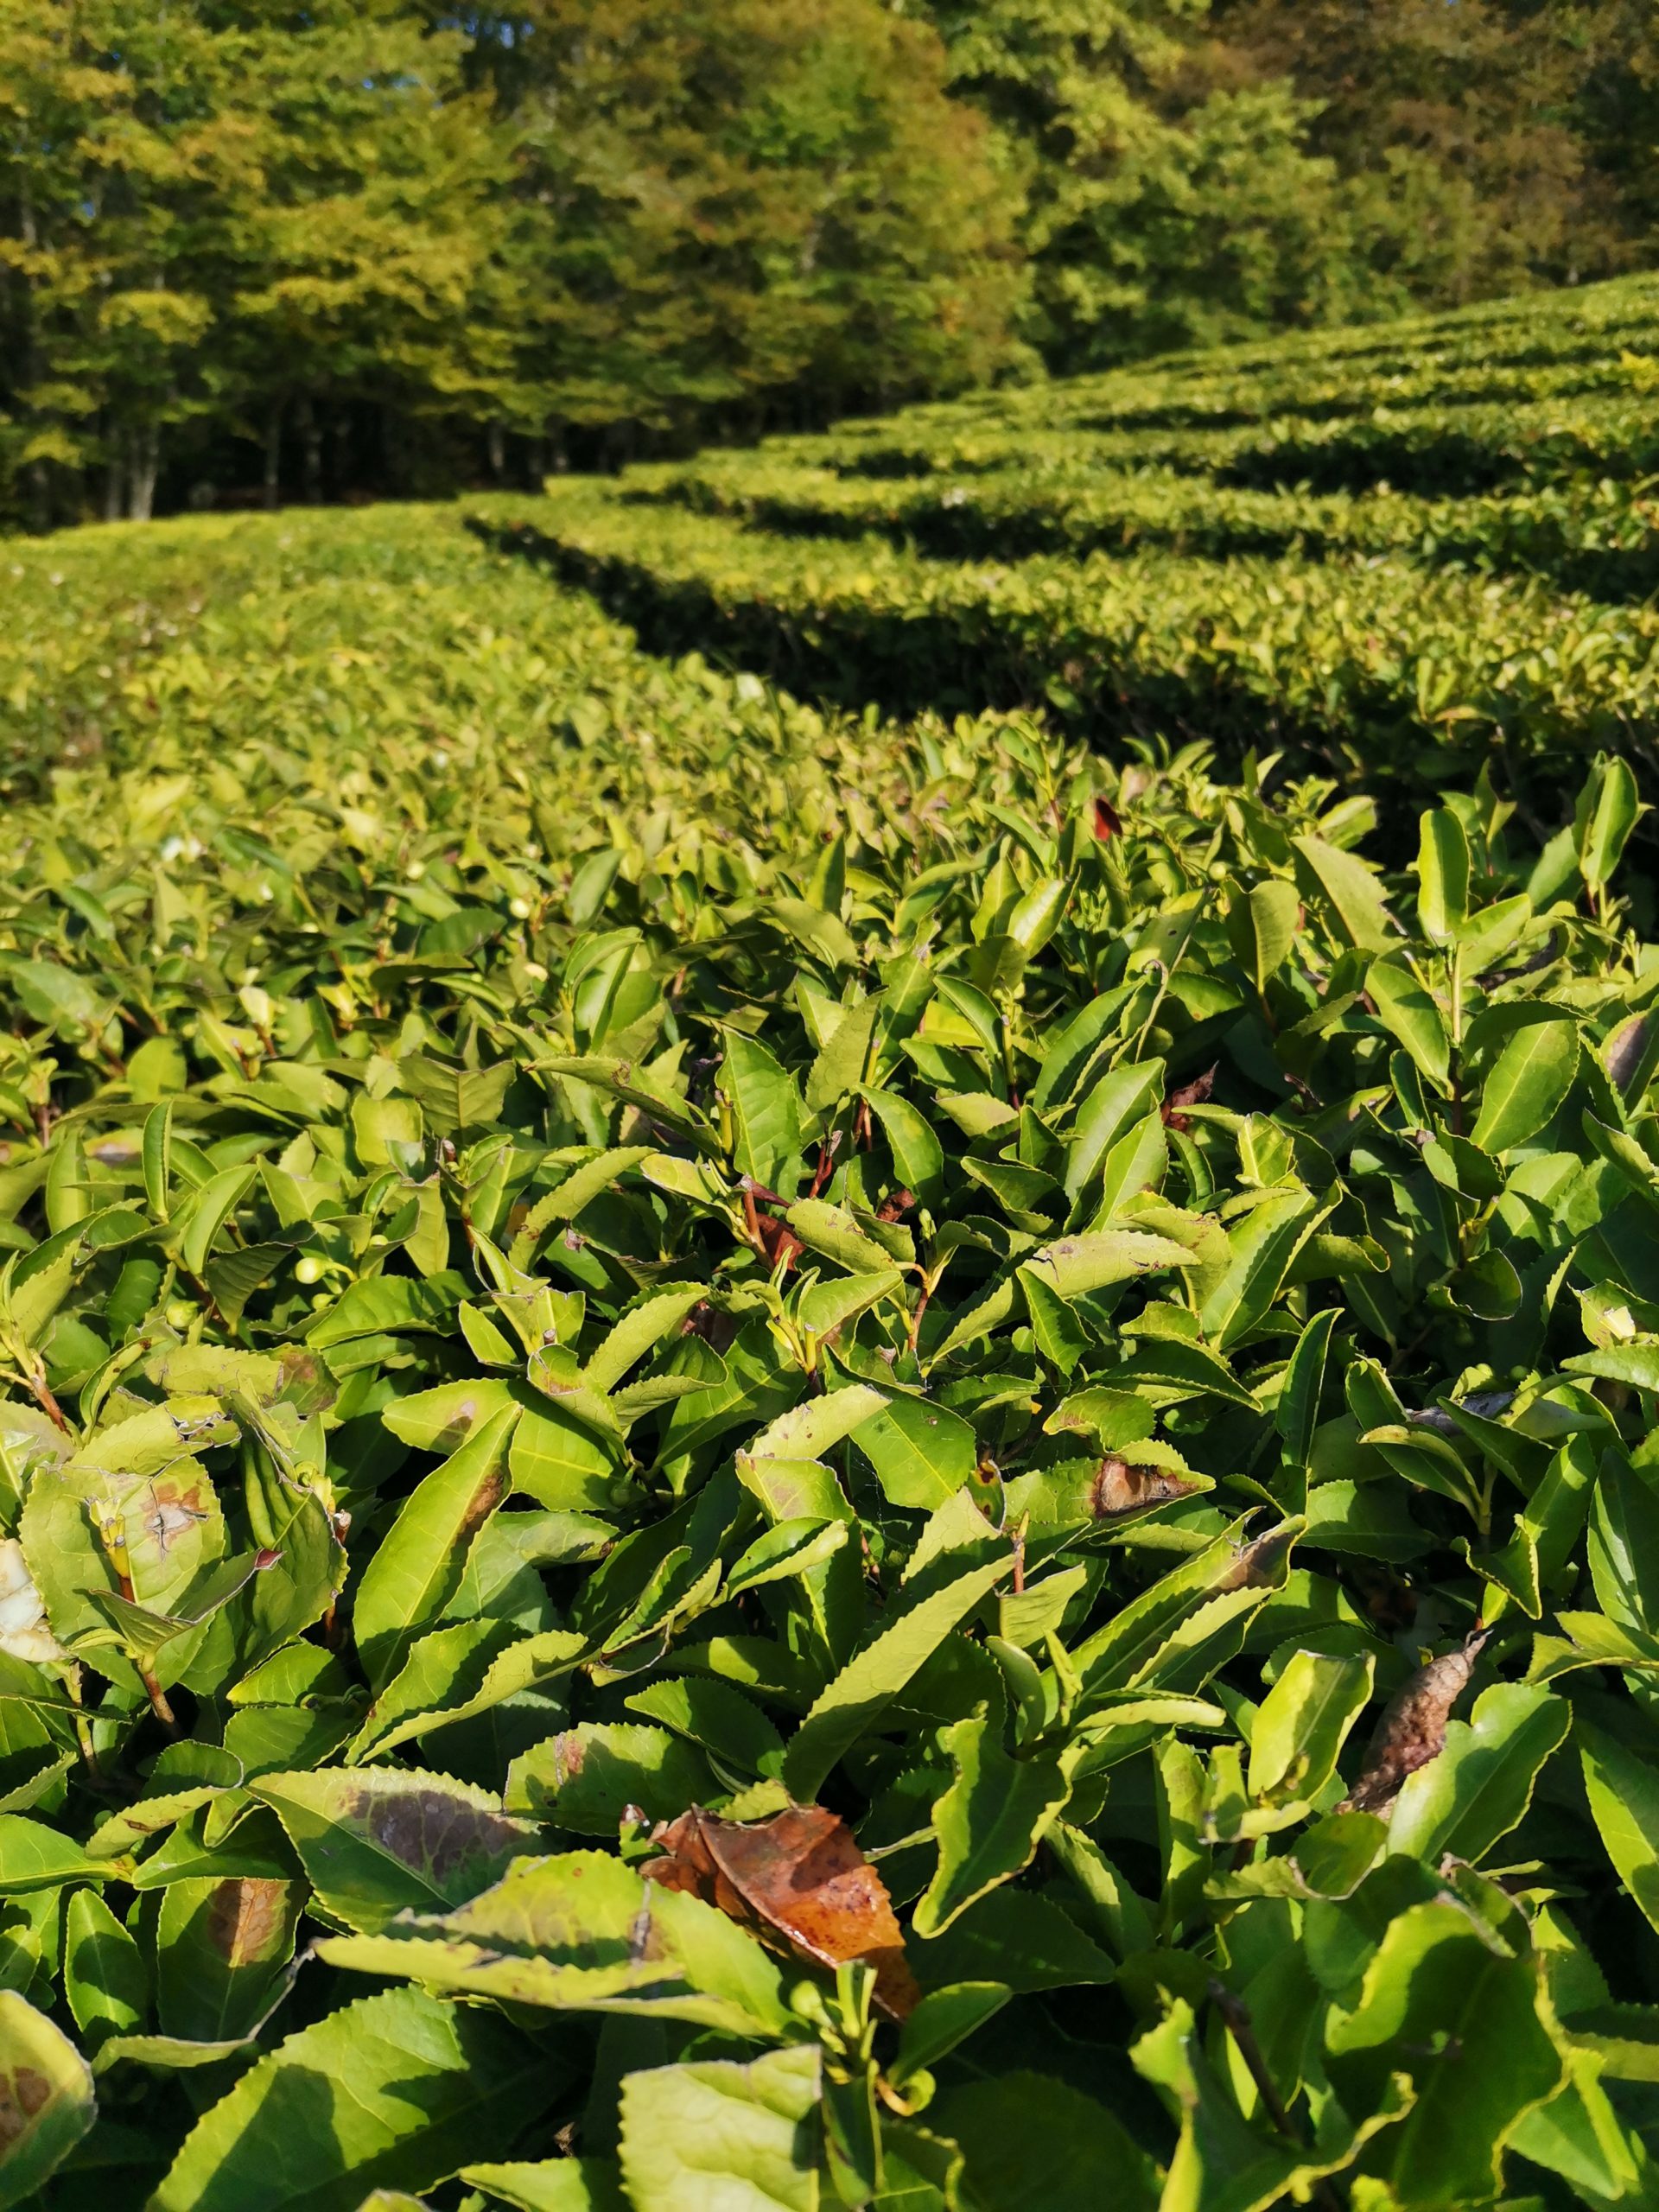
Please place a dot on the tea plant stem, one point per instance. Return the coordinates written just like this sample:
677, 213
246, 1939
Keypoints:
1235, 2015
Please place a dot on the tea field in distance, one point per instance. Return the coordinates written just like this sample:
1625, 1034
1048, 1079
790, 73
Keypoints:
1406, 550
830, 1316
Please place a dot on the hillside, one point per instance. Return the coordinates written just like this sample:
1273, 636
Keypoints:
829, 1328
1402, 551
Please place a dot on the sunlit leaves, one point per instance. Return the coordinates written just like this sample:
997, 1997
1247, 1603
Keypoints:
808, 1362
395, 2091
46, 2099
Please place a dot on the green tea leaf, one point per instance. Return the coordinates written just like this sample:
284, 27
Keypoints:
991, 1819
1033, 2144
46, 2096
395, 2091
1303, 1723
1434, 1964
552, 2185
922, 1453
1442, 875
1479, 1786
1623, 1793
105, 1978
717, 2134
872, 1679
1526, 1085
421, 1560
1262, 927
583, 1932
582, 1778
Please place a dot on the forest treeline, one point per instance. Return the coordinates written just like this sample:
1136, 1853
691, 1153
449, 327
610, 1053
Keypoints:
257, 251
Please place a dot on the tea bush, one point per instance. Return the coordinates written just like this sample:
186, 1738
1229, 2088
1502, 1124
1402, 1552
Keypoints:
752, 1457
1400, 553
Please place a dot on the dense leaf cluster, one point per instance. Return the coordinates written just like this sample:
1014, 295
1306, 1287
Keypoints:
752, 1458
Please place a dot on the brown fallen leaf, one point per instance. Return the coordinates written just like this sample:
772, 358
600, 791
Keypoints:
1119, 1488
799, 1875
1412, 1731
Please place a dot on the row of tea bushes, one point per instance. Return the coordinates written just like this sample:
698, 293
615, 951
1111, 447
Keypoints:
760, 1459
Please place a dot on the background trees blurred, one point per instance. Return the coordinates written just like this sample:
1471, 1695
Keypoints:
256, 250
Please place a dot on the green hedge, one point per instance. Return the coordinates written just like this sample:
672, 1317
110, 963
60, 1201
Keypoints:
723, 1425
1386, 672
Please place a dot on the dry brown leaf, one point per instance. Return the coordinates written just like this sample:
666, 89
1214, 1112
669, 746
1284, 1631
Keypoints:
1256, 1564
1412, 1731
799, 1875
1188, 1094
1119, 1488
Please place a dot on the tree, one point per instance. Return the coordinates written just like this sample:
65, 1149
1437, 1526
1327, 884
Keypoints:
731, 212
367, 243
114, 165
359, 266
215, 214
1192, 168
1494, 98
1072, 87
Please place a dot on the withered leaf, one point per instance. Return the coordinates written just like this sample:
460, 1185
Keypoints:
250, 1917
774, 1239
1412, 1731
1622, 1054
1108, 823
1119, 1488
713, 1324
799, 1875
1254, 1566
1188, 1094
778, 1240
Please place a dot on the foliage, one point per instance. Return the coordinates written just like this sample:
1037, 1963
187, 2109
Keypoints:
1161, 210
758, 1458
1530, 129
237, 224
250, 253
727, 210
226, 214
1401, 555
1194, 168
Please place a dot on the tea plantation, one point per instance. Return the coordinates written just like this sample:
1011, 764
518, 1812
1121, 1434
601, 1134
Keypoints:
850, 1399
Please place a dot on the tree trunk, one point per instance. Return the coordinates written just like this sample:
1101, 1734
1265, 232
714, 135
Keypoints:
146, 451
273, 484
495, 438
112, 486
310, 431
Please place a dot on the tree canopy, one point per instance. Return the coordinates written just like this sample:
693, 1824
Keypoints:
251, 250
